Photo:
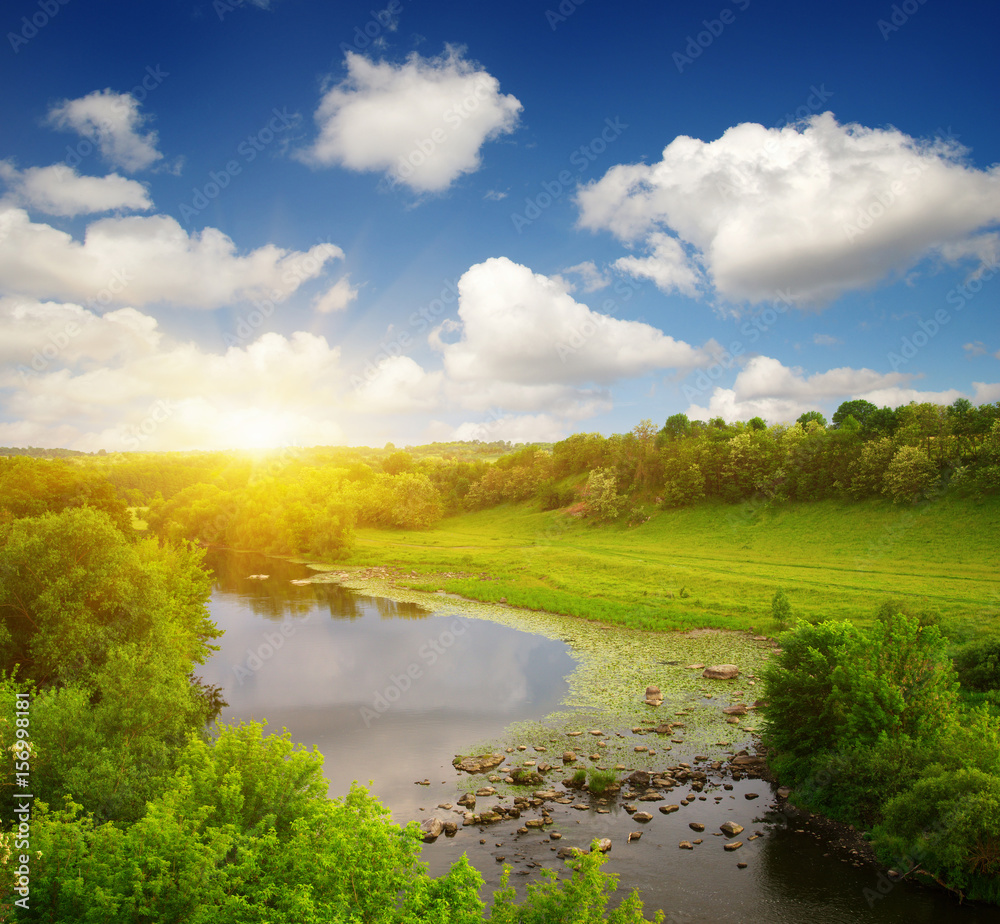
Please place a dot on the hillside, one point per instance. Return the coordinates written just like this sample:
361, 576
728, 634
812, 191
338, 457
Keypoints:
714, 564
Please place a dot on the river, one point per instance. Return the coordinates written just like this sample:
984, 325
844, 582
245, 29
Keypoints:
390, 691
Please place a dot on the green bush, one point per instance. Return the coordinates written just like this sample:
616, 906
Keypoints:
600, 780
947, 828
978, 664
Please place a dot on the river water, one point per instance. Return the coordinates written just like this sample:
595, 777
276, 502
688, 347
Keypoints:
389, 692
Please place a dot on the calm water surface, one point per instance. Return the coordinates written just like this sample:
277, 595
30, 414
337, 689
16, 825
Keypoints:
390, 692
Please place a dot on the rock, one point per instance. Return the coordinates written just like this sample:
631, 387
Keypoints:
721, 672
640, 749
596, 731
642, 816
686, 845
604, 844
566, 852
468, 800
554, 835
568, 757
633, 836
651, 797
741, 866
731, 829
450, 828
737, 709
784, 792
638, 778
667, 809
431, 828
735, 845
546, 794
535, 823
544, 768
696, 826
751, 795
630, 808
653, 695
483, 763
486, 791
489, 818
469, 818
695, 667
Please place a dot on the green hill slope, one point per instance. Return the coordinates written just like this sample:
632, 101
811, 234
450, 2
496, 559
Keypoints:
716, 565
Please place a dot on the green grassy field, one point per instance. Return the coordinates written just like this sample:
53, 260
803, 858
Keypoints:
716, 565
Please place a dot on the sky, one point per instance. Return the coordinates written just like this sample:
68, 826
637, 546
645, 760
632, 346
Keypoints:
239, 224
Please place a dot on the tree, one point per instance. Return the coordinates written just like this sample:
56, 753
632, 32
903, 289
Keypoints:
602, 500
677, 427
859, 409
812, 416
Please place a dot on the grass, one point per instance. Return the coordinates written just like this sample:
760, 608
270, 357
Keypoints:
833, 560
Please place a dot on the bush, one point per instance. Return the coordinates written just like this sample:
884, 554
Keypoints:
946, 827
600, 780
781, 609
978, 664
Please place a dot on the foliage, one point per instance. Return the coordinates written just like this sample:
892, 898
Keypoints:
581, 899
781, 609
835, 685
978, 664
601, 498
946, 827
600, 780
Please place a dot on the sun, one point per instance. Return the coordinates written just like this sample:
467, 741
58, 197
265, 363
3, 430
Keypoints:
255, 429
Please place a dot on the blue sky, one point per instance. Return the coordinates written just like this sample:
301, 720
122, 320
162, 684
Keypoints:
293, 222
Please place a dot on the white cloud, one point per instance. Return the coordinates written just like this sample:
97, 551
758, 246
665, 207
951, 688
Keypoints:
138, 261
337, 297
826, 340
60, 190
976, 348
494, 195
818, 209
666, 265
521, 327
422, 122
986, 392
767, 388
399, 385
592, 278
78, 379
524, 428
113, 122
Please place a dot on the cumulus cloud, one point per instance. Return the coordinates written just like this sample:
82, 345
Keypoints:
522, 428
520, 327
337, 297
591, 278
60, 190
399, 385
766, 388
817, 209
114, 123
79, 379
986, 392
139, 260
422, 122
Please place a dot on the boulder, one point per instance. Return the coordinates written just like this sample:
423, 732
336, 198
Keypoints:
468, 800
642, 816
738, 709
686, 845
482, 763
667, 809
735, 845
431, 828
604, 844
568, 757
721, 672
653, 695
731, 829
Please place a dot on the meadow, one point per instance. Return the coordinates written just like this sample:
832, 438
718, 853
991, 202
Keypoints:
715, 565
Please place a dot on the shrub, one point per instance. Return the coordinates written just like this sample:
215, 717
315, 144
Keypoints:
600, 780
978, 664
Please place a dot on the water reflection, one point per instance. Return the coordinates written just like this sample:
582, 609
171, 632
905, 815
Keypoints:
268, 588
388, 691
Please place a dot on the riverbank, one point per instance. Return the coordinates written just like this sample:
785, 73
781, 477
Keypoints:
715, 566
